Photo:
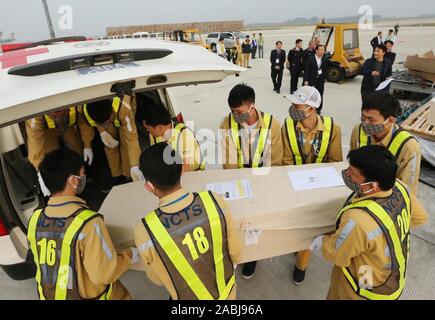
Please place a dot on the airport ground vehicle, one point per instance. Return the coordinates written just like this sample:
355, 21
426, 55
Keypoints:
192, 36
50, 77
343, 48
229, 39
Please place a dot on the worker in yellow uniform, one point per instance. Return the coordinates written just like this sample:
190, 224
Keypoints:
379, 114
73, 253
308, 138
156, 120
249, 138
50, 132
113, 119
189, 243
370, 248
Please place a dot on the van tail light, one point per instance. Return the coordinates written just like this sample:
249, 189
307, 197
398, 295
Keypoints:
180, 118
3, 230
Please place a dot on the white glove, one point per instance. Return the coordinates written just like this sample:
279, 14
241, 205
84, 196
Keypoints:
108, 140
317, 243
44, 188
134, 255
136, 174
88, 155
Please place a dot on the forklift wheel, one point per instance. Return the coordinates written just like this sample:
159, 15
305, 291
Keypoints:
335, 74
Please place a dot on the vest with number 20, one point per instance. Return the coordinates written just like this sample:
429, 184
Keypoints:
54, 252
297, 147
393, 215
261, 141
195, 253
177, 131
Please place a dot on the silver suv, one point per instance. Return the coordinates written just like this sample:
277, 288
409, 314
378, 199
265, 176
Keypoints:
229, 39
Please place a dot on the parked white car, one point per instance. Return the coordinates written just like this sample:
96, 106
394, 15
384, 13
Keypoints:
229, 39
54, 77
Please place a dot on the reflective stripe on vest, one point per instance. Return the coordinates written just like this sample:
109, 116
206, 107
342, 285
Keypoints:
176, 135
180, 262
382, 215
261, 145
51, 124
398, 140
116, 103
297, 148
65, 256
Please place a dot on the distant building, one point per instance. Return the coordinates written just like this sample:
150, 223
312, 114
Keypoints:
203, 27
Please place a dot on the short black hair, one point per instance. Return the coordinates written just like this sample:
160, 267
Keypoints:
391, 30
278, 42
383, 47
376, 163
152, 112
221, 39
57, 166
320, 45
240, 94
157, 171
380, 32
390, 42
100, 111
385, 103
298, 41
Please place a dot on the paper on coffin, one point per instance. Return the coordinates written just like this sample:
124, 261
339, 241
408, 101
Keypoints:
287, 220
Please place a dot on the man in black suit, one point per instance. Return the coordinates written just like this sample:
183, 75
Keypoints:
390, 55
375, 71
310, 51
295, 65
376, 41
277, 60
315, 71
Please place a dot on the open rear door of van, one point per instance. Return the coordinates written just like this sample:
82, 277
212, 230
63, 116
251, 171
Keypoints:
42, 79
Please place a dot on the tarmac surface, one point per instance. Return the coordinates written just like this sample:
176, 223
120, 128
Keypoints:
207, 105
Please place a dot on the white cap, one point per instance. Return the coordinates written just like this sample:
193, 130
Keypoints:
306, 95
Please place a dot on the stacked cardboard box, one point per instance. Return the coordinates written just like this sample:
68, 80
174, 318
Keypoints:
422, 66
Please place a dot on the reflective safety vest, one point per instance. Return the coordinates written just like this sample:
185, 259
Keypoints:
176, 134
297, 147
400, 137
195, 253
54, 253
261, 142
393, 215
51, 124
116, 107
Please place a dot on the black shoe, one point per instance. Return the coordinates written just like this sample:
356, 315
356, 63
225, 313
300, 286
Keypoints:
249, 269
274, 89
278, 91
298, 276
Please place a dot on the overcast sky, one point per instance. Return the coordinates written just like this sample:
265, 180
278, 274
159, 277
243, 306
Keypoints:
91, 17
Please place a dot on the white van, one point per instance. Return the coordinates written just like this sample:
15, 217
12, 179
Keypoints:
141, 35
53, 77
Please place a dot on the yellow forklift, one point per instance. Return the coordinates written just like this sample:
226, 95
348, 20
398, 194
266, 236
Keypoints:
342, 47
189, 36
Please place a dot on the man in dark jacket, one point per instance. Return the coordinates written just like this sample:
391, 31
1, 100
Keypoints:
295, 65
315, 71
390, 55
375, 71
310, 51
277, 61
376, 41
